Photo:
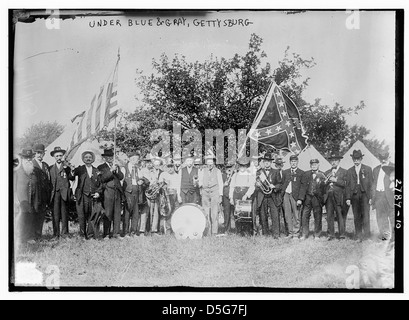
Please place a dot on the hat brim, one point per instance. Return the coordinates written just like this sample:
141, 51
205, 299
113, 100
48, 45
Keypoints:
88, 152
52, 153
356, 157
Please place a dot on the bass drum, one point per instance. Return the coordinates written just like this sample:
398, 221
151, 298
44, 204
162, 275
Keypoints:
188, 221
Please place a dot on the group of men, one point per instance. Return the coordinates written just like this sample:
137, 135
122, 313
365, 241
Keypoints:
138, 197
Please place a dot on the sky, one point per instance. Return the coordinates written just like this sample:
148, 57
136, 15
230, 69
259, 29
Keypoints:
58, 71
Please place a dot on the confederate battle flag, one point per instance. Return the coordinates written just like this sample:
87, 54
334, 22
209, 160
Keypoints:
278, 122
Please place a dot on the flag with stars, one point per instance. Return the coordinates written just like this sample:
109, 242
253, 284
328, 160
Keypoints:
278, 122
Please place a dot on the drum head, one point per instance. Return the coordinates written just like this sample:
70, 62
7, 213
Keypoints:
188, 222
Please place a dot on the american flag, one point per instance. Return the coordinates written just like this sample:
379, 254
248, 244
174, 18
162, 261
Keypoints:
278, 122
102, 110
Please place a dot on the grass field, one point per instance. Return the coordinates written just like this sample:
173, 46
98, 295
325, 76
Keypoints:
222, 262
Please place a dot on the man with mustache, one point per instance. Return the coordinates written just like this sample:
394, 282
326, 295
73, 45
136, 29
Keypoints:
44, 187
111, 177
89, 190
359, 194
61, 176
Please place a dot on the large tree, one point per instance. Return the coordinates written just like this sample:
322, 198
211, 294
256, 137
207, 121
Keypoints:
42, 132
226, 93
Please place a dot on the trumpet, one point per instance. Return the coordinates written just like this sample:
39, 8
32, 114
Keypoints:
265, 186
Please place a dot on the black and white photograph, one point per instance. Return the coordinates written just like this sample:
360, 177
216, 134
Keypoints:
249, 150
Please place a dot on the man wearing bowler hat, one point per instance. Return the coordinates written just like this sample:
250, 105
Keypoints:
44, 187
359, 194
26, 199
61, 176
111, 177
291, 202
312, 195
383, 199
336, 180
88, 191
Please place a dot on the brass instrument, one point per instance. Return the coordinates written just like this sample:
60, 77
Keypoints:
330, 175
265, 186
153, 191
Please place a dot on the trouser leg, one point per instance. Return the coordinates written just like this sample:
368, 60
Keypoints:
317, 217
264, 217
330, 207
306, 214
356, 210
366, 216
227, 208
64, 217
214, 214
117, 214
56, 216
275, 219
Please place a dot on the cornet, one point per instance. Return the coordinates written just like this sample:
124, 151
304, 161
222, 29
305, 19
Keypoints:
330, 175
265, 186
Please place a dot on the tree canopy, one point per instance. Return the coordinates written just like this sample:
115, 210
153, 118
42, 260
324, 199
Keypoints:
226, 93
42, 132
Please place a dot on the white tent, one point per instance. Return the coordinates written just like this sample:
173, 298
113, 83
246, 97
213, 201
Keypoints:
62, 141
369, 159
304, 159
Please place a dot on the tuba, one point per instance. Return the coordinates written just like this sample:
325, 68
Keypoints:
265, 186
153, 191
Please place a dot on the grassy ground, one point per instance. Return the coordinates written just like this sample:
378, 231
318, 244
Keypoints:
230, 261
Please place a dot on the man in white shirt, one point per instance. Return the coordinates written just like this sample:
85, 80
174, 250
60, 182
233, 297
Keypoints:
211, 182
383, 200
171, 179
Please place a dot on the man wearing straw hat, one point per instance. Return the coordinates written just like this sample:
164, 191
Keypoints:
61, 176
111, 177
359, 194
89, 190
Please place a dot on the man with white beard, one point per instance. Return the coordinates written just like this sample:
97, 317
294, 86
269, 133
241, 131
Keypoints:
26, 198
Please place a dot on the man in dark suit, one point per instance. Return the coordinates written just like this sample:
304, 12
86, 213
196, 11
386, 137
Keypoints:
312, 195
359, 194
268, 198
136, 206
89, 190
61, 176
292, 204
189, 184
44, 187
279, 192
336, 179
383, 199
26, 199
111, 177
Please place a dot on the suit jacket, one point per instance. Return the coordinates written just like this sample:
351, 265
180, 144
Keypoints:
366, 180
111, 182
44, 185
386, 183
82, 174
127, 183
307, 180
295, 179
274, 178
338, 187
25, 190
66, 189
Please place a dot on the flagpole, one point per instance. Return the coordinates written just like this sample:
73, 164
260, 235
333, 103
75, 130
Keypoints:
115, 138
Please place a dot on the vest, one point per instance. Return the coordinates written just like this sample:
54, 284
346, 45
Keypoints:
313, 188
128, 178
62, 183
187, 179
87, 185
210, 179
